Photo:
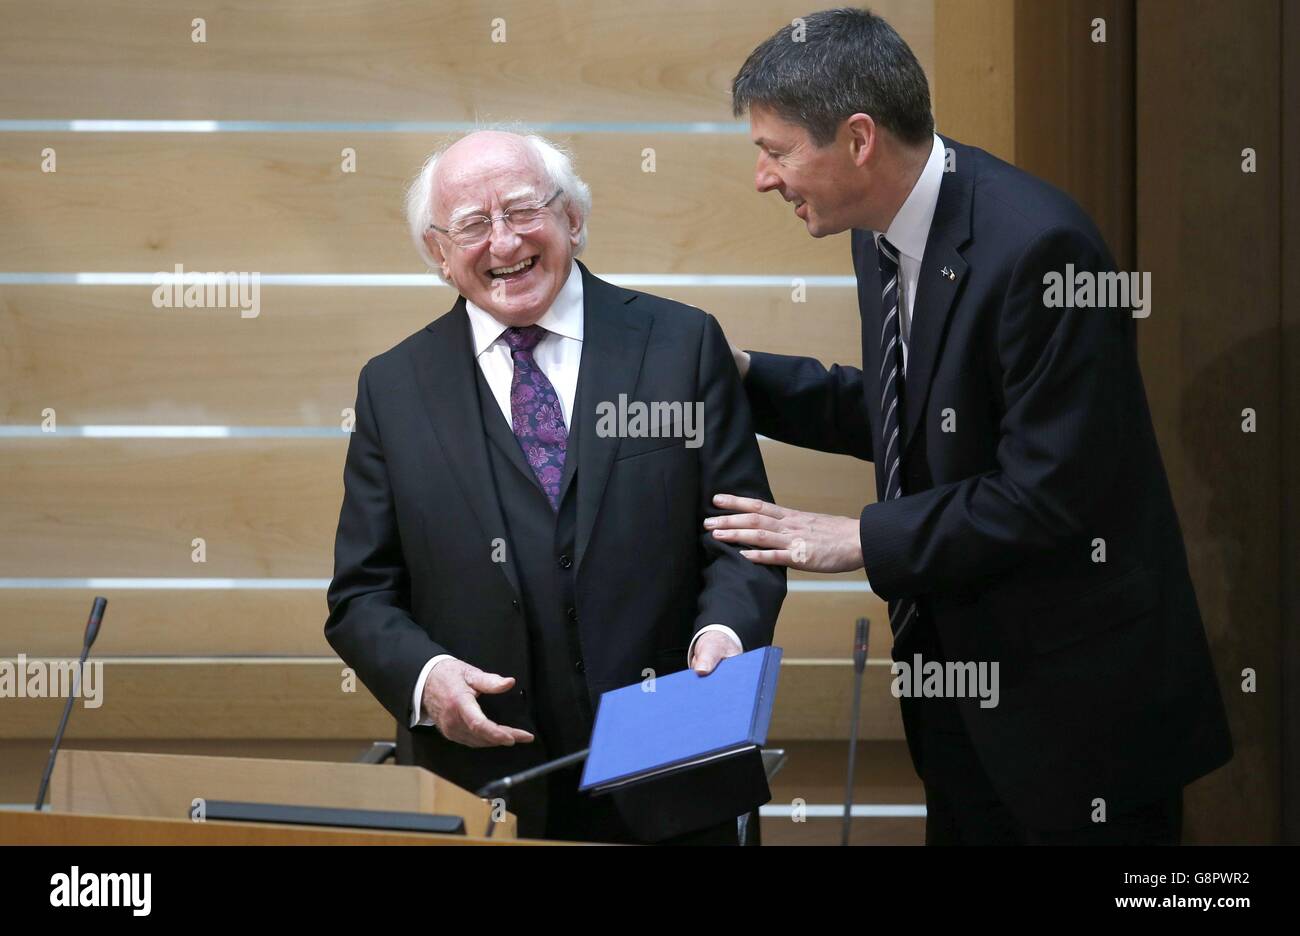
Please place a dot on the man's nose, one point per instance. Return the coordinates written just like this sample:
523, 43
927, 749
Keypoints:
764, 178
502, 240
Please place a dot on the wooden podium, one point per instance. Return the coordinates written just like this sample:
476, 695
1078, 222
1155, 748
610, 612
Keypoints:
119, 798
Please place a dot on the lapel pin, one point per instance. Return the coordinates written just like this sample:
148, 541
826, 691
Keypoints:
948, 273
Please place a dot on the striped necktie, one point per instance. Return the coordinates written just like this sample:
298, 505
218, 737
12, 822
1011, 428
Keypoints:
902, 611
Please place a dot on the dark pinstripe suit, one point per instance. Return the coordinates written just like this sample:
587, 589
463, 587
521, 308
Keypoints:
1107, 688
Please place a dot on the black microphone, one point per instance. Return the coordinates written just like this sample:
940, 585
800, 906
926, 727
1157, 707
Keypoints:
502, 787
859, 665
92, 631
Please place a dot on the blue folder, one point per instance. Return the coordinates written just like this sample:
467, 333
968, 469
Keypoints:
686, 721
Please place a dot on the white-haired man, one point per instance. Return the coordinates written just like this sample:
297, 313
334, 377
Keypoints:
502, 557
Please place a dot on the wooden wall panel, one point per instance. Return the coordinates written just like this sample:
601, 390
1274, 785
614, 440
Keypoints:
308, 698
582, 60
104, 355
1290, 416
277, 202
289, 622
973, 82
280, 203
265, 507
1074, 107
1207, 86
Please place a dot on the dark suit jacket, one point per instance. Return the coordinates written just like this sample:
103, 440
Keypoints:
1107, 688
413, 573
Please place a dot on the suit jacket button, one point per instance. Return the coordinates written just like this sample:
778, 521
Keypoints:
572, 613
565, 561
579, 666
514, 603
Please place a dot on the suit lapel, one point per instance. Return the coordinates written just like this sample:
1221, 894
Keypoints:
613, 347
942, 272
445, 372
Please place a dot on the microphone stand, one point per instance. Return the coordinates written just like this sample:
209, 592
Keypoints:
859, 664
92, 631
502, 787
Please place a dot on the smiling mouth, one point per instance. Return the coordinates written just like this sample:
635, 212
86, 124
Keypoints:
516, 271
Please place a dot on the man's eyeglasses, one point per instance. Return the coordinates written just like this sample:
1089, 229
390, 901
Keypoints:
475, 229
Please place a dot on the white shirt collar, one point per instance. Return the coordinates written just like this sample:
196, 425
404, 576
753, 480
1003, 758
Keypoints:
910, 228
564, 317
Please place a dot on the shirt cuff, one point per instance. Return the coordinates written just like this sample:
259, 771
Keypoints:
417, 701
723, 628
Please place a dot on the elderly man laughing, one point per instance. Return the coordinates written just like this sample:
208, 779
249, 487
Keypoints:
500, 560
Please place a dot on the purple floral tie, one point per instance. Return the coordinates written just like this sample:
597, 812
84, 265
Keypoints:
535, 413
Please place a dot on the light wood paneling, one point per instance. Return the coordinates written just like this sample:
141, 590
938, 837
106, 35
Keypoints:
583, 60
284, 622
105, 355
973, 81
280, 202
305, 698
194, 698
25, 758
1074, 108
265, 507
81, 507
816, 773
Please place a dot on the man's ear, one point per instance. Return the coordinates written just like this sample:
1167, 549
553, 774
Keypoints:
575, 222
436, 250
863, 136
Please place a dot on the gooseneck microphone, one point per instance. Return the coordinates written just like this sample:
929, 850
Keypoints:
92, 631
859, 665
501, 788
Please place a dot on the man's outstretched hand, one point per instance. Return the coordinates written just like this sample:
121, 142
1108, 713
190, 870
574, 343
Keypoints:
451, 700
783, 536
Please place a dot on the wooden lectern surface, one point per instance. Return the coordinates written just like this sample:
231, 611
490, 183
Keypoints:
121, 797
54, 828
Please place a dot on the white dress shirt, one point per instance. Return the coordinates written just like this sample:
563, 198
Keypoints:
909, 231
559, 356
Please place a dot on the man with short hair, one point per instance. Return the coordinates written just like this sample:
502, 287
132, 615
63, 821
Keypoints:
1023, 518
502, 556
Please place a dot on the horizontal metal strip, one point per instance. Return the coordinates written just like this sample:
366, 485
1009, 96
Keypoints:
167, 659
358, 126
425, 280
174, 432
107, 584
15, 431
309, 584
812, 810
171, 660
836, 811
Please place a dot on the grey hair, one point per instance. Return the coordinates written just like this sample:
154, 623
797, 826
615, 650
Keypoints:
843, 62
556, 160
